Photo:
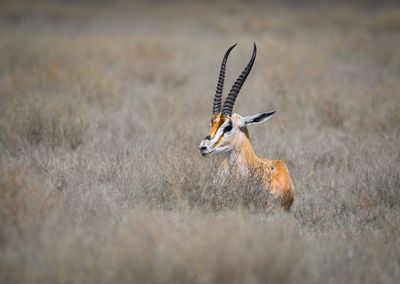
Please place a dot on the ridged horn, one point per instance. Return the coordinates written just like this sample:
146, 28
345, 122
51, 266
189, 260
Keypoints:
220, 85
230, 100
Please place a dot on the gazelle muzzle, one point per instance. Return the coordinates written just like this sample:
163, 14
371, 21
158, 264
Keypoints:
205, 147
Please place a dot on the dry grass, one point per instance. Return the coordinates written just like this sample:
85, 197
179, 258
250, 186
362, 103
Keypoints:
103, 106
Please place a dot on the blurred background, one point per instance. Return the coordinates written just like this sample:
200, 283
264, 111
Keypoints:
104, 103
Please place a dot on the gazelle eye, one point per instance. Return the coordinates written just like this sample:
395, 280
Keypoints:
228, 128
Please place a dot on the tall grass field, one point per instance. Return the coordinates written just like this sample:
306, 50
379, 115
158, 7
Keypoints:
103, 105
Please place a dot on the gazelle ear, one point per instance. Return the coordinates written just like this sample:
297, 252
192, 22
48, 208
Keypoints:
257, 118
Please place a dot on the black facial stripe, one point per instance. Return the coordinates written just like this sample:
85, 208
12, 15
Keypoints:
207, 137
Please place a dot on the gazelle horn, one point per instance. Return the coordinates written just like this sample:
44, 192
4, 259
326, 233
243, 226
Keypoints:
220, 85
230, 100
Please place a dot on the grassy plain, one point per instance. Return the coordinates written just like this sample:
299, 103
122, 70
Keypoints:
103, 105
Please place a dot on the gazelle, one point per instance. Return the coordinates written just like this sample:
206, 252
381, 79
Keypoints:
228, 133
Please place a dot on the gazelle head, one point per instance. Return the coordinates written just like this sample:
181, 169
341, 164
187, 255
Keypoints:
226, 129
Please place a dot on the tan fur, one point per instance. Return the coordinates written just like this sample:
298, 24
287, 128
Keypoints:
216, 121
273, 174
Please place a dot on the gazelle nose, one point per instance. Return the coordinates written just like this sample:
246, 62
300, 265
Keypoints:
203, 148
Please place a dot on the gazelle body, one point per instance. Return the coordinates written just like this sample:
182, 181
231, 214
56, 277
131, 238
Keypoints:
228, 133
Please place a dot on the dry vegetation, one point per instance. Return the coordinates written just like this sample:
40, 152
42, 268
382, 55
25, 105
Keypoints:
102, 106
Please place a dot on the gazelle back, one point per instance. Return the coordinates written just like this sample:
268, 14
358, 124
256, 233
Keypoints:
228, 133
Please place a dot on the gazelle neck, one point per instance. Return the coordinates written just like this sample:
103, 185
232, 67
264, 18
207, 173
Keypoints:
243, 156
